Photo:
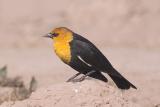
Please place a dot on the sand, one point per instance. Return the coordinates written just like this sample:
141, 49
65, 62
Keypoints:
84, 94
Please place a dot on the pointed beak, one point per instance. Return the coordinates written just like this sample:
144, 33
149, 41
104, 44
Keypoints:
49, 35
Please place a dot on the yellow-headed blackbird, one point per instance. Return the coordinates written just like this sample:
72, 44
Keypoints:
83, 56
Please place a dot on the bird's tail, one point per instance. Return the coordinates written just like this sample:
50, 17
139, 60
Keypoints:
120, 81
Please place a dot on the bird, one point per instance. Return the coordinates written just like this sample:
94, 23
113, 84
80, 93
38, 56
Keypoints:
84, 57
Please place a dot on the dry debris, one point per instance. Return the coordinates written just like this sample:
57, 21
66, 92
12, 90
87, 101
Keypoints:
12, 89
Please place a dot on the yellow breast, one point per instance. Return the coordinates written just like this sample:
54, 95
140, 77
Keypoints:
62, 49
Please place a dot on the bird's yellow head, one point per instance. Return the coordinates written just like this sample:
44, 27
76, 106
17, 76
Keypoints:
61, 34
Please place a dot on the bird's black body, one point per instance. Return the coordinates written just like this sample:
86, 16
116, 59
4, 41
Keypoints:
93, 59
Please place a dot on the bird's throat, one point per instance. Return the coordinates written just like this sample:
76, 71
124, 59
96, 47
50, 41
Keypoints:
63, 51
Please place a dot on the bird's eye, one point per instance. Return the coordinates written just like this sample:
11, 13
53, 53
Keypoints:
55, 34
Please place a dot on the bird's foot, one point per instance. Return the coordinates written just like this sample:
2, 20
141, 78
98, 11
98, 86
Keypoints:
78, 79
69, 80
74, 76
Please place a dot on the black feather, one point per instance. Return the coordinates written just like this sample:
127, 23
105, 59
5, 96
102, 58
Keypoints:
94, 57
98, 75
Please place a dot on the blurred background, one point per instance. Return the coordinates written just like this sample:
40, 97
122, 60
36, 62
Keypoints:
127, 23
127, 32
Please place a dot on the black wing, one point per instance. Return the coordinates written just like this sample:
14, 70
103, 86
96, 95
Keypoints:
90, 54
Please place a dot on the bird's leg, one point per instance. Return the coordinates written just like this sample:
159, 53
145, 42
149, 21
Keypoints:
74, 76
83, 77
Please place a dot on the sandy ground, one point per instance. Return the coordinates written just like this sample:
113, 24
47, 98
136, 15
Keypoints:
141, 67
127, 32
83, 94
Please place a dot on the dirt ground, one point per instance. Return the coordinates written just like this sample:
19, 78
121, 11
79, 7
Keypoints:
126, 31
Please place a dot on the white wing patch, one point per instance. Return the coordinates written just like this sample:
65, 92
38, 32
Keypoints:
84, 61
